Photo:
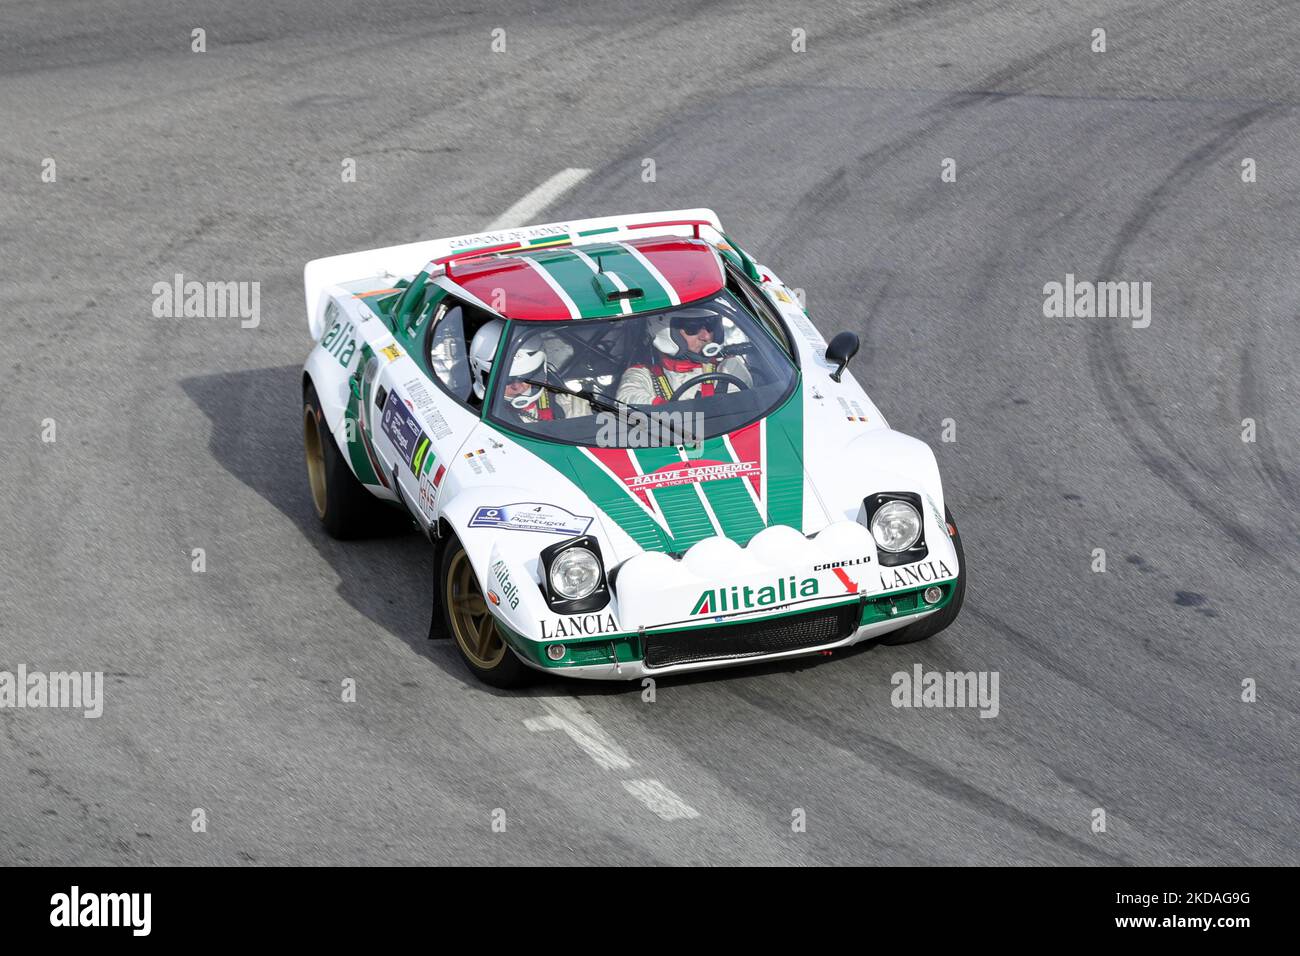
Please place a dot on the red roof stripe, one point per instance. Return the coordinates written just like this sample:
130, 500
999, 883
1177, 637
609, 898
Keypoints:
512, 287
690, 266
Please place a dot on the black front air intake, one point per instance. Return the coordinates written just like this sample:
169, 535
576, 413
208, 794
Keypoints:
752, 639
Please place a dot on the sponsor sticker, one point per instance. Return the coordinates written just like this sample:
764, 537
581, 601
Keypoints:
831, 565
578, 625
506, 236
479, 463
934, 511
693, 472
430, 481
911, 575
809, 331
341, 342
743, 597
508, 589
842, 572
852, 410
391, 352
424, 403
404, 432
531, 516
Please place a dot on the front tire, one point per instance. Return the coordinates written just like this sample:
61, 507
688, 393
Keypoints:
344, 506
936, 622
470, 624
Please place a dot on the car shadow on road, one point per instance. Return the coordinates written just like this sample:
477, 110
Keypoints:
257, 437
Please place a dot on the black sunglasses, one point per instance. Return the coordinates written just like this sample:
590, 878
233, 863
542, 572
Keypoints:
692, 326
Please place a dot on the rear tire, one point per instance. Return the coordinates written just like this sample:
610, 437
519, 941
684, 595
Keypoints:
936, 622
344, 506
473, 629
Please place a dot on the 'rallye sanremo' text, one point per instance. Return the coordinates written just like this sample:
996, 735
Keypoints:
633, 451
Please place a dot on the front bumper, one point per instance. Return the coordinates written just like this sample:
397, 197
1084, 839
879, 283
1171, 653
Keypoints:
656, 652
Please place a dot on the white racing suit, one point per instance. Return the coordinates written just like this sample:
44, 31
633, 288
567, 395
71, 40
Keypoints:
551, 405
655, 385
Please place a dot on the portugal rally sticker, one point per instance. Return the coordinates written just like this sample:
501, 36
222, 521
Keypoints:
405, 433
531, 516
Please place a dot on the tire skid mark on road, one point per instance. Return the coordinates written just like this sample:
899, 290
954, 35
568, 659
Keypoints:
1267, 465
1170, 728
827, 192
1126, 401
900, 762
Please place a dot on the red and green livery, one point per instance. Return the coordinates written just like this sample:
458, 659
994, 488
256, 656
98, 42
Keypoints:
498, 389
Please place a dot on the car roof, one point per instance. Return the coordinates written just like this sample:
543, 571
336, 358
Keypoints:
593, 280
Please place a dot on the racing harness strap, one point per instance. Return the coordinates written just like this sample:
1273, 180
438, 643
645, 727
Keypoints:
541, 408
664, 388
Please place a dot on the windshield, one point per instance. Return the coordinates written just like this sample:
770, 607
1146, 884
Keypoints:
660, 378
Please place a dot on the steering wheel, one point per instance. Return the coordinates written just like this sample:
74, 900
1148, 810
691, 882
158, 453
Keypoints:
687, 385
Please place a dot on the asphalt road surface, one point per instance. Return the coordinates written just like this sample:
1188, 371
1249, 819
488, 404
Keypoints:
1120, 691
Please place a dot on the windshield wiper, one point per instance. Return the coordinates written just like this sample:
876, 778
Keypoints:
603, 402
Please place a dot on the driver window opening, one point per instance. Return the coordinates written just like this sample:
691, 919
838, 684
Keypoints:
449, 352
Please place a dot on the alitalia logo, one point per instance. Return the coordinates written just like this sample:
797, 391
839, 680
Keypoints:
744, 598
341, 342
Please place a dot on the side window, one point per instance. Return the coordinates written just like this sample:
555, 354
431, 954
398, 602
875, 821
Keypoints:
761, 309
449, 351
433, 297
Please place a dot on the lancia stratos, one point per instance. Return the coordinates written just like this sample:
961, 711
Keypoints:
633, 452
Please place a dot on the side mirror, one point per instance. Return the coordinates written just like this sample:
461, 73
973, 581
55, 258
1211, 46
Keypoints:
842, 348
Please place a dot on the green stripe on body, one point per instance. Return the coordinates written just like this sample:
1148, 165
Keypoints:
574, 277
729, 498
783, 468
680, 504
615, 258
361, 465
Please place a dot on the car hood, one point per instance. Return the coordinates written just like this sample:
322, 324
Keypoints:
667, 500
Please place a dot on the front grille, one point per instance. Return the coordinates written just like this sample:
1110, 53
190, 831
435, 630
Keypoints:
752, 639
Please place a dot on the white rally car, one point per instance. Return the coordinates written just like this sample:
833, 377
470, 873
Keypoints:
634, 453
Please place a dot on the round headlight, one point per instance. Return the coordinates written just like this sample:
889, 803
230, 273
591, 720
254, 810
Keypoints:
575, 573
896, 525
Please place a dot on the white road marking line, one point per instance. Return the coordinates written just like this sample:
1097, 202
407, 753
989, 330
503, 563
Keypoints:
538, 199
539, 724
566, 715
661, 801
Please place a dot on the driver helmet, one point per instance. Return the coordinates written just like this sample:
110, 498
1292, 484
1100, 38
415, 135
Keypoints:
529, 361
668, 332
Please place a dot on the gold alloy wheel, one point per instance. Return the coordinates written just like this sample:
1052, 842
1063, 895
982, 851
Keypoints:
315, 459
472, 624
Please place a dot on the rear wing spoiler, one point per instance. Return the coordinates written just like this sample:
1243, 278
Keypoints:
435, 255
